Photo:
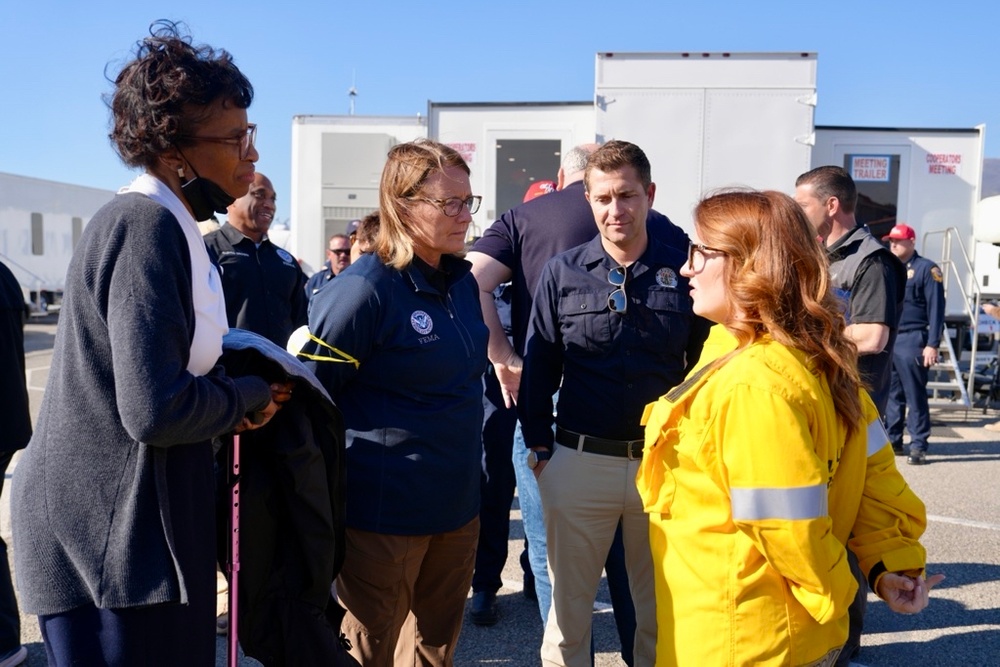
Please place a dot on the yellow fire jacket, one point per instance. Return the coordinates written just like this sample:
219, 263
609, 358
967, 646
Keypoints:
753, 491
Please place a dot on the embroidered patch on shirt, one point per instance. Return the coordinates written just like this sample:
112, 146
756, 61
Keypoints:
666, 277
285, 256
936, 274
421, 322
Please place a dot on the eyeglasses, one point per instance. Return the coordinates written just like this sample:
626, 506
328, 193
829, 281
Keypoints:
245, 141
452, 206
618, 300
700, 250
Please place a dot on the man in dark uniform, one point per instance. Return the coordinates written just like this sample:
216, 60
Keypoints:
612, 322
515, 248
338, 258
916, 348
16, 420
262, 282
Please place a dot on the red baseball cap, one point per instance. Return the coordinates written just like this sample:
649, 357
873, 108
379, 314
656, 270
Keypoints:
901, 233
539, 188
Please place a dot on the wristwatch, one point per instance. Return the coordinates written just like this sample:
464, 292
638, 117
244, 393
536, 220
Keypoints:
536, 457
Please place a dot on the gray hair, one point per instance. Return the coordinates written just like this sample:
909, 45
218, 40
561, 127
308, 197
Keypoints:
576, 159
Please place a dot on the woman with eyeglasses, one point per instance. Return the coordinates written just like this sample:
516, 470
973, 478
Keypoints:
399, 342
113, 508
770, 460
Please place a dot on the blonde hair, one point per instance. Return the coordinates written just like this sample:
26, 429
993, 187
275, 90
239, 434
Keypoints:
405, 172
777, 279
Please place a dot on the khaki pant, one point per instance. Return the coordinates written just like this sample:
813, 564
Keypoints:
405, 595
583, 497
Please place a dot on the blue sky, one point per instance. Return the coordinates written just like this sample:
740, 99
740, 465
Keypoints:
892, 63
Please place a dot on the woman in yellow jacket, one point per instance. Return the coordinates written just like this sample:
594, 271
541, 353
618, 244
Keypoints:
770, 458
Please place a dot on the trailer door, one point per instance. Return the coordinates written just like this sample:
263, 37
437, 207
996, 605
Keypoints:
879, 172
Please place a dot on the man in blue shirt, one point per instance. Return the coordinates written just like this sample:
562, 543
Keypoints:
515, 248
612, 324
917, 343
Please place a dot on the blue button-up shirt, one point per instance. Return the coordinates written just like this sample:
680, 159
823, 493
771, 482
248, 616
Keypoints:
611, 365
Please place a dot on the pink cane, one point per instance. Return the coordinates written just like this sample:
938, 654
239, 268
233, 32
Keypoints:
234, 553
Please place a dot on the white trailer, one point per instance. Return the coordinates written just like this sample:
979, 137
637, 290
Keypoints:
709, 120
336, 165
40, 224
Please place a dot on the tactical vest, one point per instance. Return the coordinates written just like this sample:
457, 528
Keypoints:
847, 259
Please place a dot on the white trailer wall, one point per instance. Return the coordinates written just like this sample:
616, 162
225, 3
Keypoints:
710, 120
937, 187
478, 129
336, 165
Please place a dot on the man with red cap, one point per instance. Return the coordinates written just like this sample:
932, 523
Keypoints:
916, 349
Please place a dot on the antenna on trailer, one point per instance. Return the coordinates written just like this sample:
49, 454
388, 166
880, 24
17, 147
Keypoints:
352, 92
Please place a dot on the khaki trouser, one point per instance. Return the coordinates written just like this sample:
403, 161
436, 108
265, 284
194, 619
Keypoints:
405, 595
583, 497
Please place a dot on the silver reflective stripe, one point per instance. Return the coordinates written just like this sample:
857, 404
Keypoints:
803, 502
877, 437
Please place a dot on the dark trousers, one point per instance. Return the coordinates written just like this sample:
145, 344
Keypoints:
621, 596
10, 619
856, 614
908, 392
497, 487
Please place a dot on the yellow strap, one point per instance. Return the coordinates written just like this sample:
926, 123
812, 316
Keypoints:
345, 358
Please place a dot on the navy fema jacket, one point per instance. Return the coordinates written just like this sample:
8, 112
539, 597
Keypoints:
406, 371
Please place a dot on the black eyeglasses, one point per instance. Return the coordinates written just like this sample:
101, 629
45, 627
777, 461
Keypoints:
452, 206
701, 250
618, 300
245, 141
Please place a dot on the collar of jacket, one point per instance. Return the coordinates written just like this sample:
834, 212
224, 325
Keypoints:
455, 268
235, 236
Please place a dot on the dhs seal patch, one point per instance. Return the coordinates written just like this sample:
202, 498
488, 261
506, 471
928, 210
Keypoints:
285, 256
421, 322
666, 277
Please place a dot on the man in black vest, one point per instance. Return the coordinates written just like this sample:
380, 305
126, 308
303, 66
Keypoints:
872, 283
869, 278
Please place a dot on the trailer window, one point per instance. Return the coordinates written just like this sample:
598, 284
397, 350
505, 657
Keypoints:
37, 236
521, 162
877, 180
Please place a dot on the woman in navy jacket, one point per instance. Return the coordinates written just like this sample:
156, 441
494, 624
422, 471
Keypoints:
399, 341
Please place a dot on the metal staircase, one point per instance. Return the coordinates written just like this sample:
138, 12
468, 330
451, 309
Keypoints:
950, 386
946, 388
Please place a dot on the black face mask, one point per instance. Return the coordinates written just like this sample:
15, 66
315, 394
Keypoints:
205, 197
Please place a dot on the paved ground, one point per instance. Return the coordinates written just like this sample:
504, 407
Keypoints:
960, 486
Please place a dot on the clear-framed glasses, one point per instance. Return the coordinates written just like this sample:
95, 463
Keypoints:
697, 255
452, 206
245, 141
618, 300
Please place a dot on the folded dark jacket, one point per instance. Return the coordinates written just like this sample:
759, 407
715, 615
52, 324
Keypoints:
291, 531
